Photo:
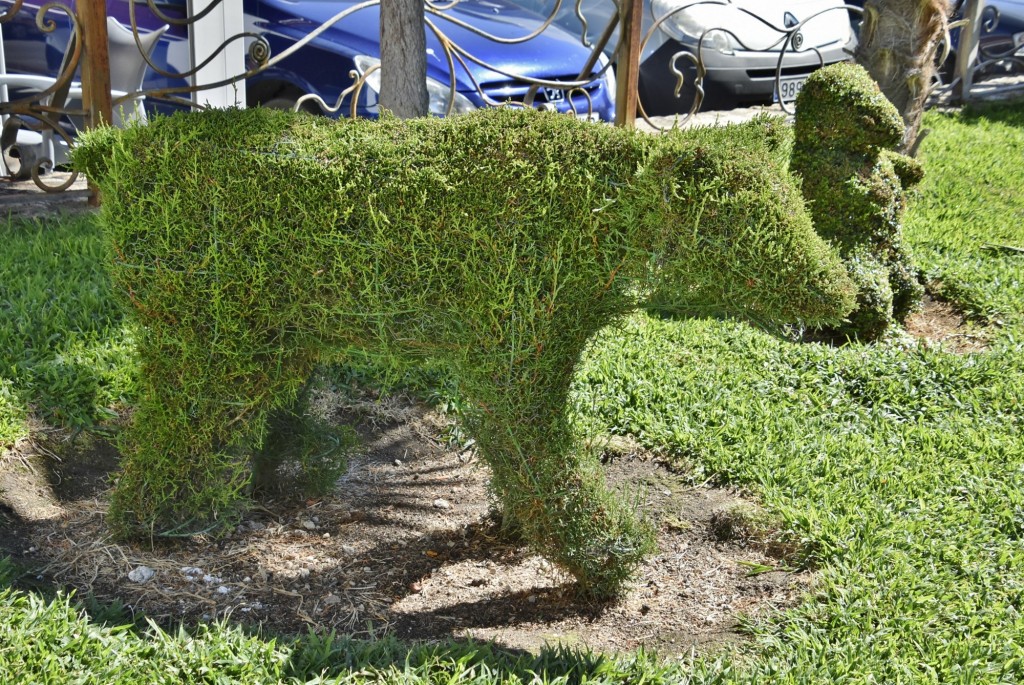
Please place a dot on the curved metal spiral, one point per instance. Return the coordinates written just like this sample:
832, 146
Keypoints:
43, 108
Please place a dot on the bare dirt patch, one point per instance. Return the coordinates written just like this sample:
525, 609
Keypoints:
406, 544
941, 323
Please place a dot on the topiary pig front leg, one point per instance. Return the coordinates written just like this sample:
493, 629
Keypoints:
552, 489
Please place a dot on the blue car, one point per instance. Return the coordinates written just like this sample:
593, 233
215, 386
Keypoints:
491, 63
491, 72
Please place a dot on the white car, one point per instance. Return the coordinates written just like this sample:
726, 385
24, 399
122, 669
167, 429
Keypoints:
738, 42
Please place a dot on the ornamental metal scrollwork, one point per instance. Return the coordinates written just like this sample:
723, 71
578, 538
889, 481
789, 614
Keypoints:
49, 112
35, 124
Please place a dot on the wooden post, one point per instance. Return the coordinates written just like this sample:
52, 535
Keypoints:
628, 62
96, 100
96, 62
967, 50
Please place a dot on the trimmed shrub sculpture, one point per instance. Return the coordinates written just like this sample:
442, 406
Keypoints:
847, 137
253, 244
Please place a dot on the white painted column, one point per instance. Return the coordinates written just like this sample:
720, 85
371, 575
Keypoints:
205, 36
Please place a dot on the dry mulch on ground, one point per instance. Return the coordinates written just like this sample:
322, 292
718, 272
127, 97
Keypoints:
940, 323
406, 544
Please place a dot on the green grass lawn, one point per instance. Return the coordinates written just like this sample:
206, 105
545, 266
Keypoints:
65, 353
898, 468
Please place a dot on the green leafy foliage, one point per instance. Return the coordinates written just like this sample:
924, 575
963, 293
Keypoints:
495, 244
969, 211
855, 182
898, 470
303, 455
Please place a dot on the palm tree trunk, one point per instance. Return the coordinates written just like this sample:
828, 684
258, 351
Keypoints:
403, 58
898, 43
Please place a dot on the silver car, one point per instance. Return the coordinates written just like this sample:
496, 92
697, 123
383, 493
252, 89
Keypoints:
738, 42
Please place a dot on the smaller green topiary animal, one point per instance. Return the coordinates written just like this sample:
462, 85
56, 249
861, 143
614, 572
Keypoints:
847, 135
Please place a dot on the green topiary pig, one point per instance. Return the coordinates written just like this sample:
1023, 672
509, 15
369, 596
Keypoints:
847, 135
253, 244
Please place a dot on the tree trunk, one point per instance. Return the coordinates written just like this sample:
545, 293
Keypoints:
898, 43
403, 57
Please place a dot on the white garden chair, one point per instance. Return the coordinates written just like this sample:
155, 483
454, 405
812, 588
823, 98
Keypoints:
26, 147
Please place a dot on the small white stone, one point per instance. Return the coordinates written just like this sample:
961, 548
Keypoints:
141, 574
309, 525
247, 579
223, 590
397, 462
442, 504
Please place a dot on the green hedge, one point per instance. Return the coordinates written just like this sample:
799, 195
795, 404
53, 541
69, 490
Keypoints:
251, 245
847, 135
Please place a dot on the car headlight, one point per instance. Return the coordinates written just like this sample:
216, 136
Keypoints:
689, 24
438, 92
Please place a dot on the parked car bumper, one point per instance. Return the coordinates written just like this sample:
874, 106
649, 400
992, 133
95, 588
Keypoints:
739, 77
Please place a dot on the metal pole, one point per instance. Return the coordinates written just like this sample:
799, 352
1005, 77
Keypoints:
96, 62
598, 48
3, 72
628, 63
967, 51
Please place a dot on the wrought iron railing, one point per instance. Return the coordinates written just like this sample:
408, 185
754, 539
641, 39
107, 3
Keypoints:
981, 55
41, 113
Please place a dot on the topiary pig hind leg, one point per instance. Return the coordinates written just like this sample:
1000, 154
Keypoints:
186, 461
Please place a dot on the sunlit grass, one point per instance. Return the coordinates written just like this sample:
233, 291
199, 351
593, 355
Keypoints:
65, 353
899, 469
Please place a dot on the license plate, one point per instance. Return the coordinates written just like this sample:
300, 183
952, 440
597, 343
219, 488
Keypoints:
588, 116
788, 89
